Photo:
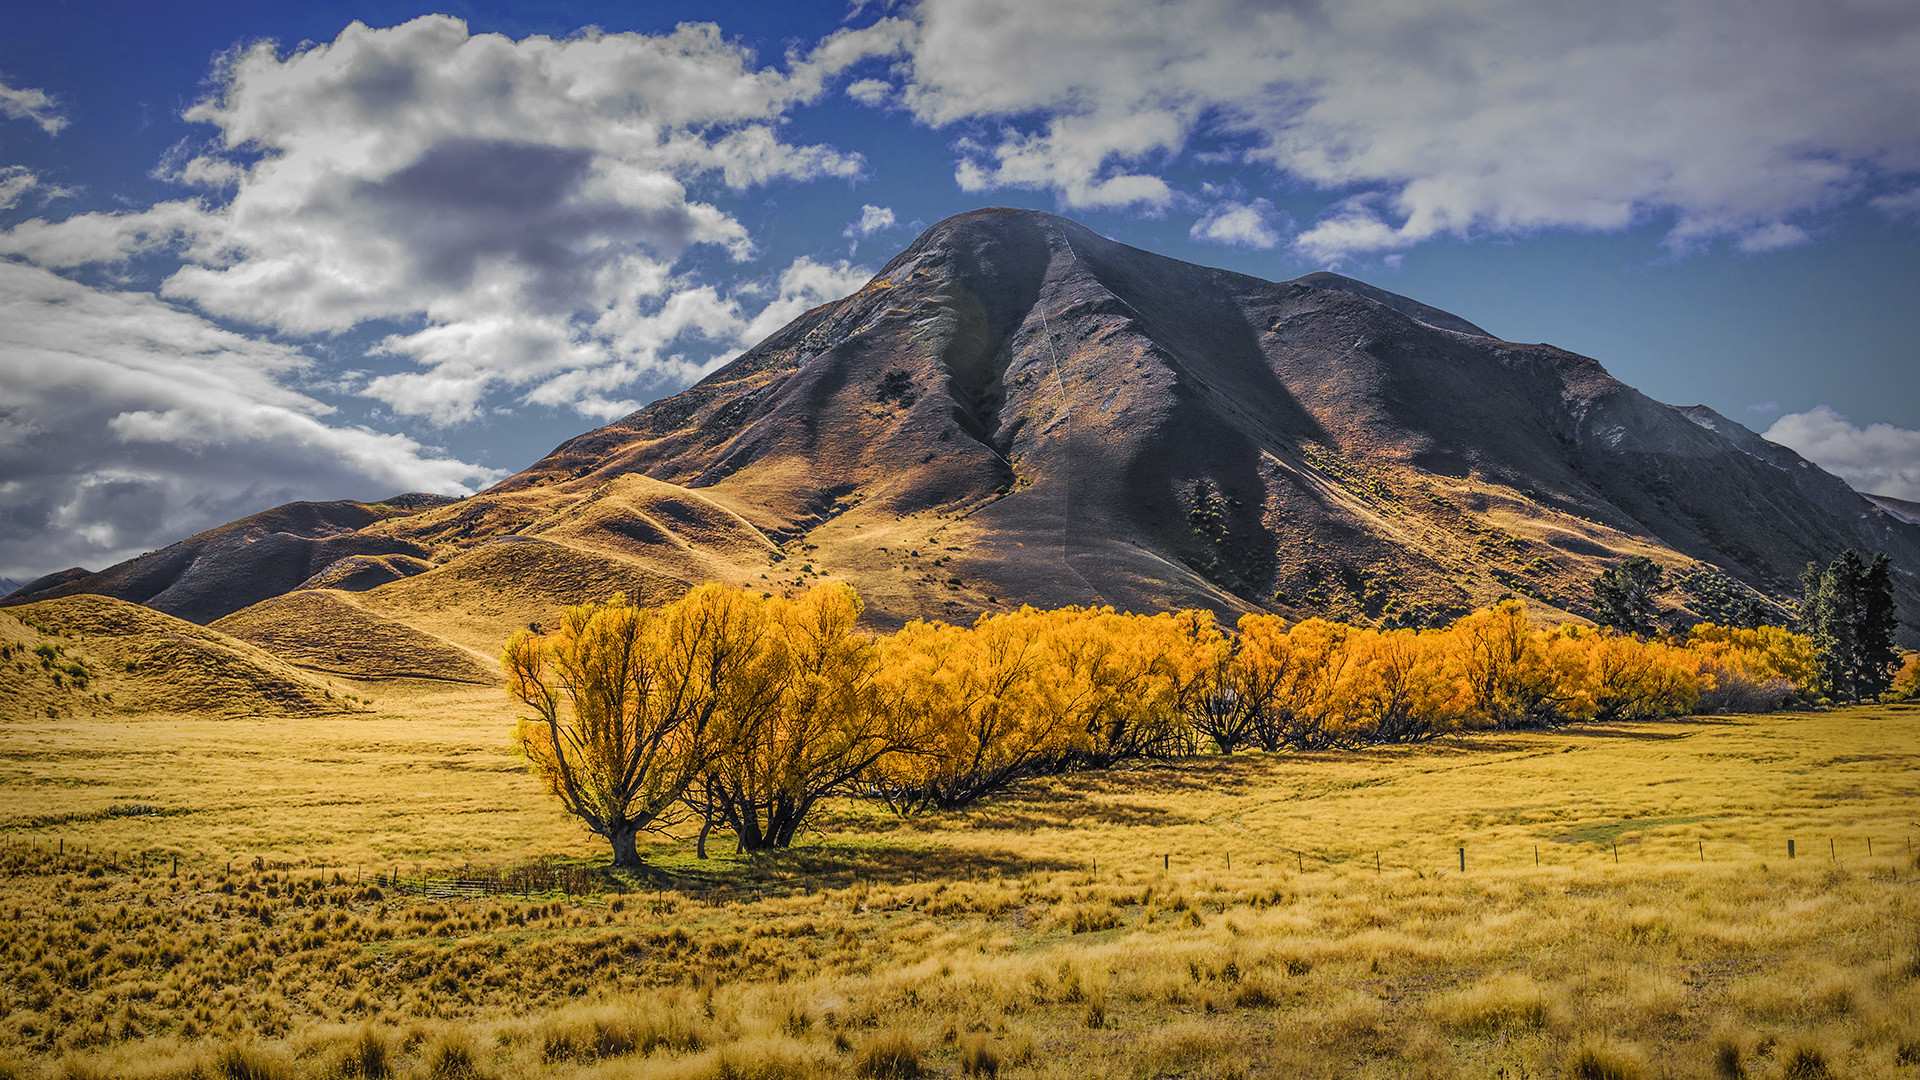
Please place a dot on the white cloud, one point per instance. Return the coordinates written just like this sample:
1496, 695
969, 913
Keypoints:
32, 105
15, 182
804, 285
126, 423
527, 202
1247, 224
1879, 458
85, 239
870, 91
1730, 118
1899, 204
873, 219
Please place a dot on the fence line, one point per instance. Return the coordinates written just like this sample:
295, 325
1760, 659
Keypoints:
598, 885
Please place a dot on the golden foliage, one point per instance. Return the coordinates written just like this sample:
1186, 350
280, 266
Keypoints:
750, 709
623, 699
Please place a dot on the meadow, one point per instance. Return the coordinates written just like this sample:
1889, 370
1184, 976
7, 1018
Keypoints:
185, 897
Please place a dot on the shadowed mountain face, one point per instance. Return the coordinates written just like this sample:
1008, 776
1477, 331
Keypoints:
1016, 410
238, 564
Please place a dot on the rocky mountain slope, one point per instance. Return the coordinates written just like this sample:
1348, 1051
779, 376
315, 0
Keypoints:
1016, 410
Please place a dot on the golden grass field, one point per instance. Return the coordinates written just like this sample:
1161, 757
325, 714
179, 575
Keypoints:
1283, 915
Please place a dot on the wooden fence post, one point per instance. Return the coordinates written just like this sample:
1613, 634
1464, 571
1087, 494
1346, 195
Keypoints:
1463, 860
1789, 849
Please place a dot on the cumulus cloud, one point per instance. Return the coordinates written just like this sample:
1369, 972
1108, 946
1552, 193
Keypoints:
1879, 458
33, 106
804, 285
1728, 118
110, 237
1246, 224
873, 219
870, 91
526, 204
126, 423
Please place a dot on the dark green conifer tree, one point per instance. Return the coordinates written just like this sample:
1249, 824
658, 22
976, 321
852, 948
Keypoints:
1847, 609
1623, 595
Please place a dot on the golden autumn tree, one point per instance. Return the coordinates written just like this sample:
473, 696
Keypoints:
1751, 670
1625, 678
1115, 678
1506, 676
1310, 661
1218, 691
1238, 699
810, 722
1396, 689
971, 696
623, 698
1906, 681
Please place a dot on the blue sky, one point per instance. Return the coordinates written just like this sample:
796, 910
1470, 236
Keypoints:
254, 253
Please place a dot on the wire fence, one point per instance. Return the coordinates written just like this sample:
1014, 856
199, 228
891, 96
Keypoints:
601, 884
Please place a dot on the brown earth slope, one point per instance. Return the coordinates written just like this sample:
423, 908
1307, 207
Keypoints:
1016, 410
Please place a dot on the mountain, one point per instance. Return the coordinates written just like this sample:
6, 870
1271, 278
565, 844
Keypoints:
43, 582
228, 568
1904, 509
8, 585
1017, 410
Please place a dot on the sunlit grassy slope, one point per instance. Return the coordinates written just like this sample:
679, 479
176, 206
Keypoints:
1297, 915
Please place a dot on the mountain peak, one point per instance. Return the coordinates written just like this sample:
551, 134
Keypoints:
1018, 410
1413, 309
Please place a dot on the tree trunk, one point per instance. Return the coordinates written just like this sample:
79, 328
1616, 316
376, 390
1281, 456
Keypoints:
746, 827
785, 821
700, 845
625, 850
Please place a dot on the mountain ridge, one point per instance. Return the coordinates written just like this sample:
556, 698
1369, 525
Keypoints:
1015, 409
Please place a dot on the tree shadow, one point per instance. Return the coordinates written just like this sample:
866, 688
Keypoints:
1621, 732
816, 865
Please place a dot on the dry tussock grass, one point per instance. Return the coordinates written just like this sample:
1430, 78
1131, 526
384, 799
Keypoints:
984, 944
93, 656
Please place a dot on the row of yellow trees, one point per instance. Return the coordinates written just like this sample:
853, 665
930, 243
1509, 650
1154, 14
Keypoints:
745, 711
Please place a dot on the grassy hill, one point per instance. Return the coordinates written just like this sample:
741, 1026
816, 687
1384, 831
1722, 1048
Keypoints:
94, 656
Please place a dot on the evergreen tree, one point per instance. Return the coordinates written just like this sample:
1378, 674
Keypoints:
1847, 609
1879, 659
1623, 595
